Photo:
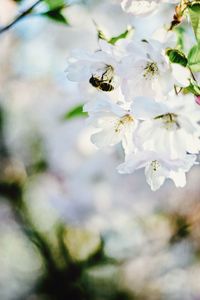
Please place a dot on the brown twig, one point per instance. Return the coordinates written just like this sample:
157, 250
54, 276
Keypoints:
21, 16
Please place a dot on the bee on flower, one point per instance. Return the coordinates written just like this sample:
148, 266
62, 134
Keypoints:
142, 102
98, 70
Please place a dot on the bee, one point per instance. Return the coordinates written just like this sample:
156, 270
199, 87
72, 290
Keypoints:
104, 81
101, 84
106, 87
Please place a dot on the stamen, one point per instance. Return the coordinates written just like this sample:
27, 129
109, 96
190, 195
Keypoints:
170, 121
151, 70
124, 120
155, 165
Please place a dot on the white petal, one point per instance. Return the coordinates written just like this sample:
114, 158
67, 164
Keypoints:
181, 74
102, 104
135, 161
144, 108
178, 144
106, 138
187, 124
179, 178
184, 164
78, 71
139, 7
193, 144
188, 162
127, 139
154, 179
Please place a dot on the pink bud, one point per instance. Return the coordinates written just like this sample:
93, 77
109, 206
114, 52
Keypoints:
197, 99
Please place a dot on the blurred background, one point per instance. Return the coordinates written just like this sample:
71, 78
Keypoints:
70, 226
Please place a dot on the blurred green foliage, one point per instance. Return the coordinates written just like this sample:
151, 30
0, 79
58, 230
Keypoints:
54, 12
75, 112
65, 275
194, 13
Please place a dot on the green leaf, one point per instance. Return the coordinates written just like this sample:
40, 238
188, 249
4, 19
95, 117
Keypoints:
194, 13
101, 35
176, 56
194, 58
113, 40
75, 112
18, 1
123, 35
56, 15
55, 3
193, 88
180, 31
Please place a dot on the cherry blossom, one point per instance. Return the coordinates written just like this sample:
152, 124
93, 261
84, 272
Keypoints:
158, 168
143, 7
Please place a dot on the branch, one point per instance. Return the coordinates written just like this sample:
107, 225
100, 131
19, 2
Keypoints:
21, 16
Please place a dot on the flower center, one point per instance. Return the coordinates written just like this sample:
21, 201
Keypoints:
151, 70
170, 121
103, 78
122, 122
155, 165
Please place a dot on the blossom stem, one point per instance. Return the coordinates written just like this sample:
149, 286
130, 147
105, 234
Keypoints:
192, 74
19, 17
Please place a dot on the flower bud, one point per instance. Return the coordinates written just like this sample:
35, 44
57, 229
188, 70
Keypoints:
197, 100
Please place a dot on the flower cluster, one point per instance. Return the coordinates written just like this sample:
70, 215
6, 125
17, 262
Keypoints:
138, 100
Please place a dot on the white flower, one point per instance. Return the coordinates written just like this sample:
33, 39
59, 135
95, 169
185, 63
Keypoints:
143, 7
173, 130
115, 123
146, 71
98, 70
166, 37
181, 75
139, 7
158, 168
